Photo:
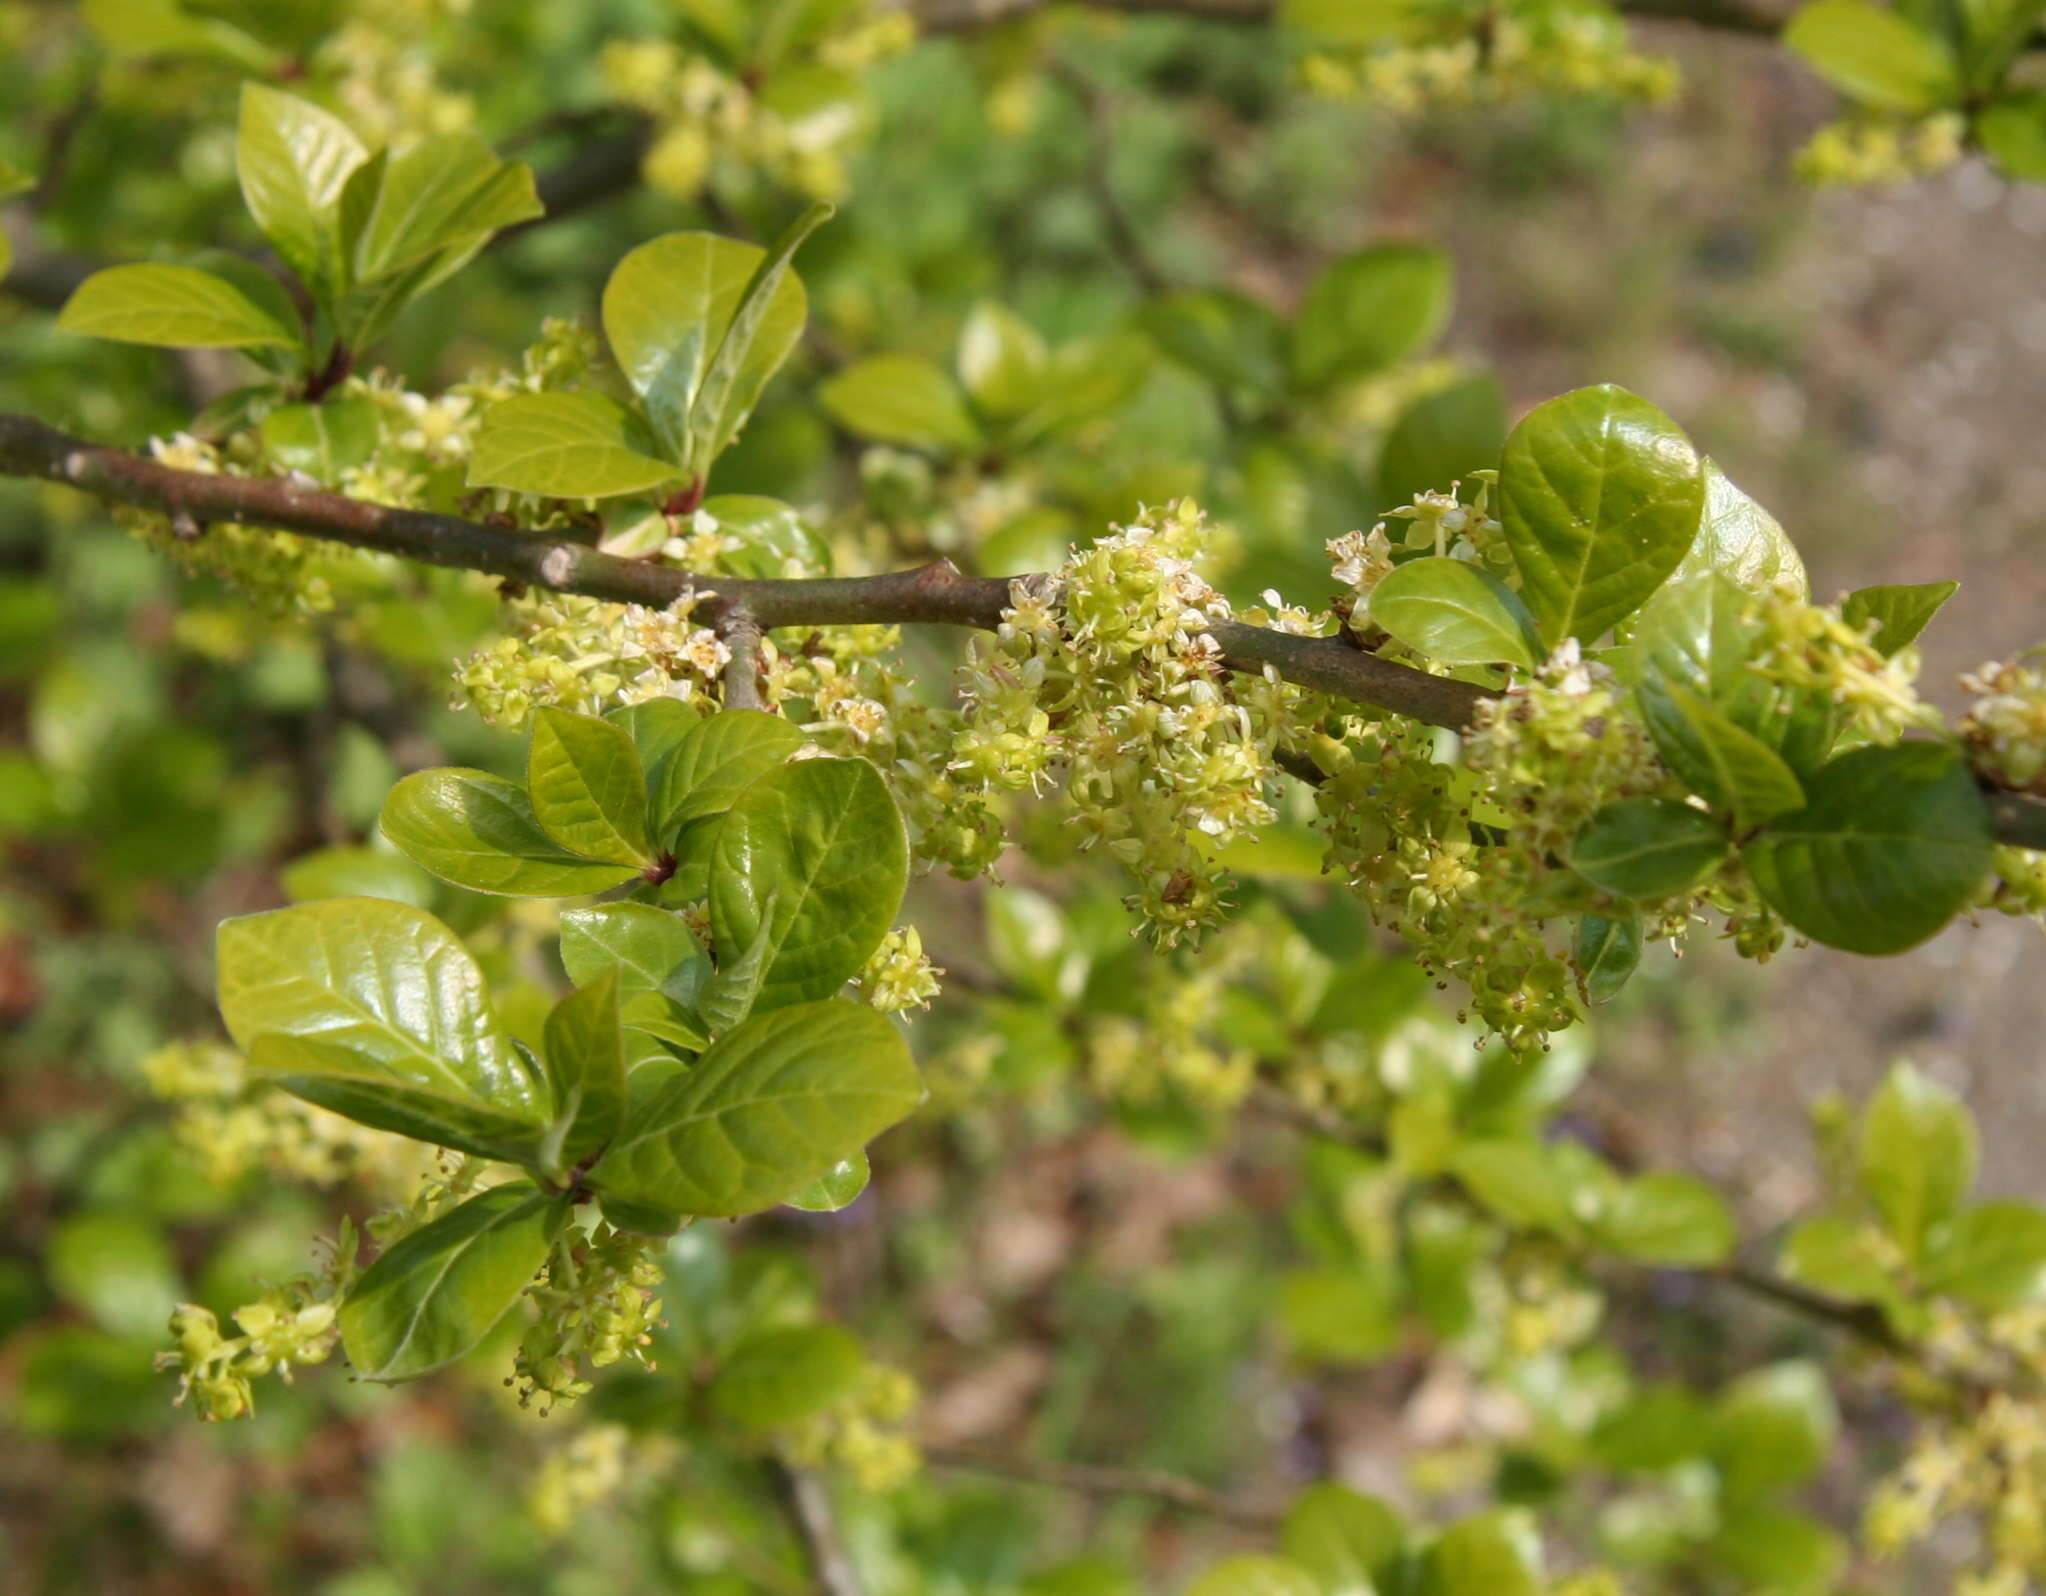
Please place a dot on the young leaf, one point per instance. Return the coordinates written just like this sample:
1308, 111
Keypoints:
2012, 129
1370, 309
294, 160
1917, 1156
1775, 1549
1608, 950
814, 856
478, 831
1349, 1542
1647, 848
1993, 1257
1891, 845
1494, 1554
174, 307
388, 985
588, 791
1740, 540
716, 761
900, 399
322, 440
1728, 767
836, 1188
140, 29
768, 1110
1518, 1181
1002, 360
785, 1374
644, 947
438, 1292
1443, 437
1600, 497
585, 1051
729, 995
1670, 1220
655, 726
1874, 56
1773, 1428
1993, 32
444, 192
1900, 613
567, 446
1455, 614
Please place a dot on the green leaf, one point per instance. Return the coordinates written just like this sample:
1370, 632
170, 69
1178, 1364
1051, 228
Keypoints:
373, 993
173, 307
478, 831
644, 947
1360, 21
1455, 614
584, 1045
1600, 497
567, 446
1607, 952
1993, 34
1893, 843
2012, 129
1516, 1180
1232, 341
655, 726
1369, 310
1648, 848
1740, 540
1445, 436
1344, 1313
774, 538
813, 855
1670, 1220
900, 399
444, 192
1773, 1429
1254, 1576
1348, 1541
357, 873
1728, 767
1993, 1257
1494, 1554
1900, 613
752, 346
668, 309
1657, 1429
1875, 56
294, 159
587, 789
1840, 1256
1002, 360
438, 1292
767, 1111
836, 1188
786, 1374
323, 440
1916, 1157
719, 759
1775, 1550
139, 29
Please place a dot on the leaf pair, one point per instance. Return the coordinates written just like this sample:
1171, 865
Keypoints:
697, 324
365, 232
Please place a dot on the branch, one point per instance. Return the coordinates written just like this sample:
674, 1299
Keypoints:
1095, 1480
808, 1501
935, 594
1862, 1320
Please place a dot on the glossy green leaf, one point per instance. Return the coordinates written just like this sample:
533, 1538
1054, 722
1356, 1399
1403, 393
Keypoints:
567, 446
1899, 613
174, 307
1348, 1541
1607, 952
723, 756
1600, 497
384, 993
323, 440
1670, 1220
478, 831
1647, 848
1875, 56
785, 1374
655, 726
1892, 844
438, 1292
1370, 309
1002, 360
1773, 1428
2012, 129
1916, 1157
813, 855
728, 996
668, 310
1728, 767
644, 947
1455, 614
1445, 436
294, 159
836, 1188
771, 1108
587, 790
900, 399
443, 192
1740, 540
1993, 1257
1231, 340
1494, 1554
584, 1046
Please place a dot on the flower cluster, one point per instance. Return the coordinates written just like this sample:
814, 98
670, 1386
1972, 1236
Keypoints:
380, 66
586, 655
898, 976
2005, 728
1876, 149
1564, 54
1811, 648
596, 1307
863, 1432
576, 1477
1986, 1460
